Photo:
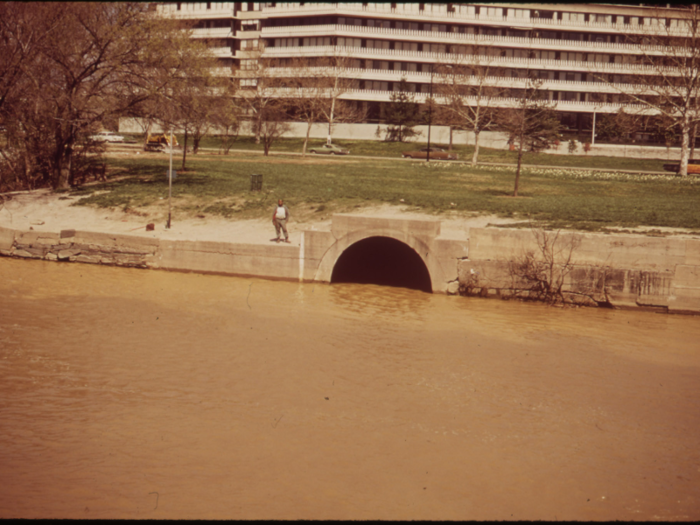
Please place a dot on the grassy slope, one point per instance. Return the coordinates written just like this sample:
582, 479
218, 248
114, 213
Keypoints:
316, 186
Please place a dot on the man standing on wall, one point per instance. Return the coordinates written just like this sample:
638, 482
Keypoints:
279, 219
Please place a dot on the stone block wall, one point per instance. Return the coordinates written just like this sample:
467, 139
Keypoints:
627, 271
75, 246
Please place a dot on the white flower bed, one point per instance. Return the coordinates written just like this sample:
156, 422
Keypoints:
571, 173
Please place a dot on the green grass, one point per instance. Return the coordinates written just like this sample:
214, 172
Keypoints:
317, 186
486, 155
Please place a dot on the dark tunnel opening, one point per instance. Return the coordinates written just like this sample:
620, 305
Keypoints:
384, 261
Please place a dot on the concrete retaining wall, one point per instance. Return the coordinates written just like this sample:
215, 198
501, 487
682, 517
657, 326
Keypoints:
621, 271
614, 270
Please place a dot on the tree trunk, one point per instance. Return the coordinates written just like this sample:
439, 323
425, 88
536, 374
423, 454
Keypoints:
60, 175
693, 138
685, 150
450, 147
306, 140
332, 114
475, 157
146, 133
184, 151
69, 154
517, 170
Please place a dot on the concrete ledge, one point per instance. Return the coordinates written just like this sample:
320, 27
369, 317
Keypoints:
692, 252
7, 239
630, 251
232, 259
149, 245
32, 238
622, 270
344, 224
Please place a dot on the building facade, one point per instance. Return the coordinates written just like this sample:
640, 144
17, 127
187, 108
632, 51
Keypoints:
586, 55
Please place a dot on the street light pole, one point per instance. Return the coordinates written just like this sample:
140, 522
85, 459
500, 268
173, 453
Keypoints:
170, 180
430, 111
593, 131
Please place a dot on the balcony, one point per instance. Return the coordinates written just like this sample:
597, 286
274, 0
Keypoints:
439, 13
388, 75
445, 58
197, 10
503, 102
244, 35
214, 32
434, 37
221, 52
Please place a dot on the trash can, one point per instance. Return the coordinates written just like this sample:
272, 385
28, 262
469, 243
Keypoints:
255, 182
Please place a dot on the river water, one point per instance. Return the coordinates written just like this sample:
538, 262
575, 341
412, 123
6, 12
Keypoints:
130, 393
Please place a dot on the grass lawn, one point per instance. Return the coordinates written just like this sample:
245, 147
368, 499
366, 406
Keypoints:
393, 150
317, 186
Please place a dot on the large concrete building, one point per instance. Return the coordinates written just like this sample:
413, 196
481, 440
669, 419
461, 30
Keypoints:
586, 55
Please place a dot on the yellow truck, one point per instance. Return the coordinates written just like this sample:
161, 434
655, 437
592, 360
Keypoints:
159, 142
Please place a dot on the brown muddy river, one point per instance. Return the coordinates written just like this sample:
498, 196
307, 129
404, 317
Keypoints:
142, 394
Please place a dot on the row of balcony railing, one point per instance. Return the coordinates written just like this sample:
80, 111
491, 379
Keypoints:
213, 32
458, 38
449, 58
441, 12
197, 10
375, 95
424, 78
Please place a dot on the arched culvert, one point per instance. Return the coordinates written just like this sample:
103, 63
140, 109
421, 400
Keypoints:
382, 260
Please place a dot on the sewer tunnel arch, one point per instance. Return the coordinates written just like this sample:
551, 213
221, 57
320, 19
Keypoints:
378, 257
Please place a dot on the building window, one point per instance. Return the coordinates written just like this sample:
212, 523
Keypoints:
248, 45
317, 41
378, 44
349, 42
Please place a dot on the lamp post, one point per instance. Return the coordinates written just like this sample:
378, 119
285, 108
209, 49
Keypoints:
170, 180
593, 130
430, 111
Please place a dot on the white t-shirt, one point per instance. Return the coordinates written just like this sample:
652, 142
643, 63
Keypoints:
281, 213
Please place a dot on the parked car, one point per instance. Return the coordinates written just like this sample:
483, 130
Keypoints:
107, 136
330, 150
435, 153
693, 167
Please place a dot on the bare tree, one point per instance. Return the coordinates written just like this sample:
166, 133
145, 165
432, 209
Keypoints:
541, 275
93, 63
466, 91
335, 82
532, 124
308, 90
23, 30
666, 78
227, 118
262, 94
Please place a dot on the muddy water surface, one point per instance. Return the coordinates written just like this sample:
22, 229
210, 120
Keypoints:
142, 394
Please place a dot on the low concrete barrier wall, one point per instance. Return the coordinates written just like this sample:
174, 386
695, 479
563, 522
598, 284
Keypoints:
612, 270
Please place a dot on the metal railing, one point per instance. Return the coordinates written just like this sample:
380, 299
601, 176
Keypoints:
441, 13
454, 58
459, 38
